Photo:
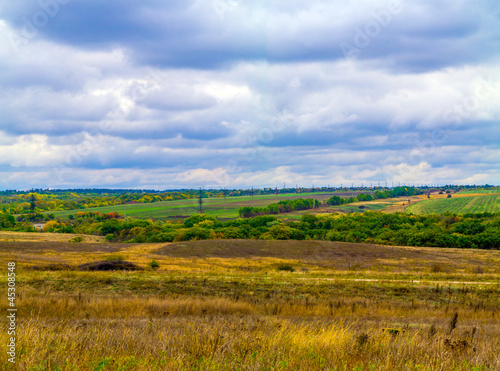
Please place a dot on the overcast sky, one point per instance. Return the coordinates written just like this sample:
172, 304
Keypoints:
239, 93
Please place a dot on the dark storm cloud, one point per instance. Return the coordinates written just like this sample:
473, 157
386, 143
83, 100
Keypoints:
415, 36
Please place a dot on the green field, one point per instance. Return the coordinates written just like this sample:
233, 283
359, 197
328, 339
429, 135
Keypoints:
481, 191
218, 207
458, 205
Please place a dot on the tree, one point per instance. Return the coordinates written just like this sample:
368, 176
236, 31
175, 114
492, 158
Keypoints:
7, 221
364, 197
32, 202
50, 226
280, 232
334, 201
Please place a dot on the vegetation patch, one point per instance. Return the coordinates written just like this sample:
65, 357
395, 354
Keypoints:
53, 267
110, 265
154, 264
286, 268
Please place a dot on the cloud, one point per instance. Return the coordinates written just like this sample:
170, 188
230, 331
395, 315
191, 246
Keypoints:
415, 36
234, 93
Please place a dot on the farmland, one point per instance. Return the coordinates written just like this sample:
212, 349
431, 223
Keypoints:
219, 207
231, 304
458, 205
481, 191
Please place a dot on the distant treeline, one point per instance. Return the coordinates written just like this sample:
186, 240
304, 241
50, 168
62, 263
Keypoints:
285, 206
397, 192
248, 191
20, 203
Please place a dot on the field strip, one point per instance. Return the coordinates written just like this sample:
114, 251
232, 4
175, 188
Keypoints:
405, 281
459, 204
351, 280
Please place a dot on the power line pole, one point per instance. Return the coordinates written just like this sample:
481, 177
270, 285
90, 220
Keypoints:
225, 204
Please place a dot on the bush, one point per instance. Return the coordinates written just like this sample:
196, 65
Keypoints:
364, 197
165, 237
334, 236
281, 232
109, 226
205, 224
109, 265
53, 226
193, 234
7, 221
286, 268
232, 232
437, 268
50, 226
198, 218
77, 239
154, 264
110, 237
24, 227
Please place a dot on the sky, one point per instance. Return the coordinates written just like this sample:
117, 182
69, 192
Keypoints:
175, 94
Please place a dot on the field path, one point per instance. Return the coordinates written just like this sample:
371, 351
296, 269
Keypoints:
430, 282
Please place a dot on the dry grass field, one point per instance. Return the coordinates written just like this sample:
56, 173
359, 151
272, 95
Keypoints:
252, 305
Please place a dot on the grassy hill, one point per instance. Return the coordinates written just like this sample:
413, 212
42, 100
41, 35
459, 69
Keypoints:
208, 256
232, 305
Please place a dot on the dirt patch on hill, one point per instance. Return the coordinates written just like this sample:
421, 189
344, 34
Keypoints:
333, 254
302, 250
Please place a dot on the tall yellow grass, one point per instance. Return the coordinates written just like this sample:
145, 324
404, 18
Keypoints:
92, 332
238, 312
